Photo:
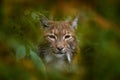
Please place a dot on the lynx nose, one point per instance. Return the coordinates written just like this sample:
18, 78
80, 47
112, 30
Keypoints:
59, 48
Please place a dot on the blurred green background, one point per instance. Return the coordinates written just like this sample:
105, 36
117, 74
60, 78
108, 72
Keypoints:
98, 35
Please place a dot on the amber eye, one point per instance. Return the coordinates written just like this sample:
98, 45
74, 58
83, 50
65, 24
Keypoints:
52, 36
67, 36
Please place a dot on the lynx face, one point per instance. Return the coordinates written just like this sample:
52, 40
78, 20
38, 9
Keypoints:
61, 40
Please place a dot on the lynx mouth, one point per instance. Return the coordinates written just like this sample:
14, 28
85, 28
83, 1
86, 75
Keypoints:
59, 52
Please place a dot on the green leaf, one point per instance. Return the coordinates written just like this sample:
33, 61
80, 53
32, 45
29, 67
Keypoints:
37, 61
20, 52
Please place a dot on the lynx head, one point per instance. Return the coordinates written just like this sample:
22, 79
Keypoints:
60, 36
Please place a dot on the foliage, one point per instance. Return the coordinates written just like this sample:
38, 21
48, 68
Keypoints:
98, 37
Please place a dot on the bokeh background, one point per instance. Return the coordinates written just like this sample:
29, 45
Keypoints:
98, 34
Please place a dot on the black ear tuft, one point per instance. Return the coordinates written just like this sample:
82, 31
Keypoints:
43, 21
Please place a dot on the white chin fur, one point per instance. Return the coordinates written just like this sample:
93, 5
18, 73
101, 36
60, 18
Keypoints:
68, 57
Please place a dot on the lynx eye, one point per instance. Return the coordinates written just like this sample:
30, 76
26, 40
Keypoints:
67, 36
52, 36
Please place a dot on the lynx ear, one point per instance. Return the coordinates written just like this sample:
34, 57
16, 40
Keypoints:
74, 22
44, 21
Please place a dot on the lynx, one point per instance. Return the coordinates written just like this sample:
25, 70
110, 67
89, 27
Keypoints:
60, 45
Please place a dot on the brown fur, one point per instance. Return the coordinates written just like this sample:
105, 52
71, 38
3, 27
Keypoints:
58, 35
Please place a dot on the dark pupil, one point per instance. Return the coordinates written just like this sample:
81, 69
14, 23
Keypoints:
67, 36
52, 36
